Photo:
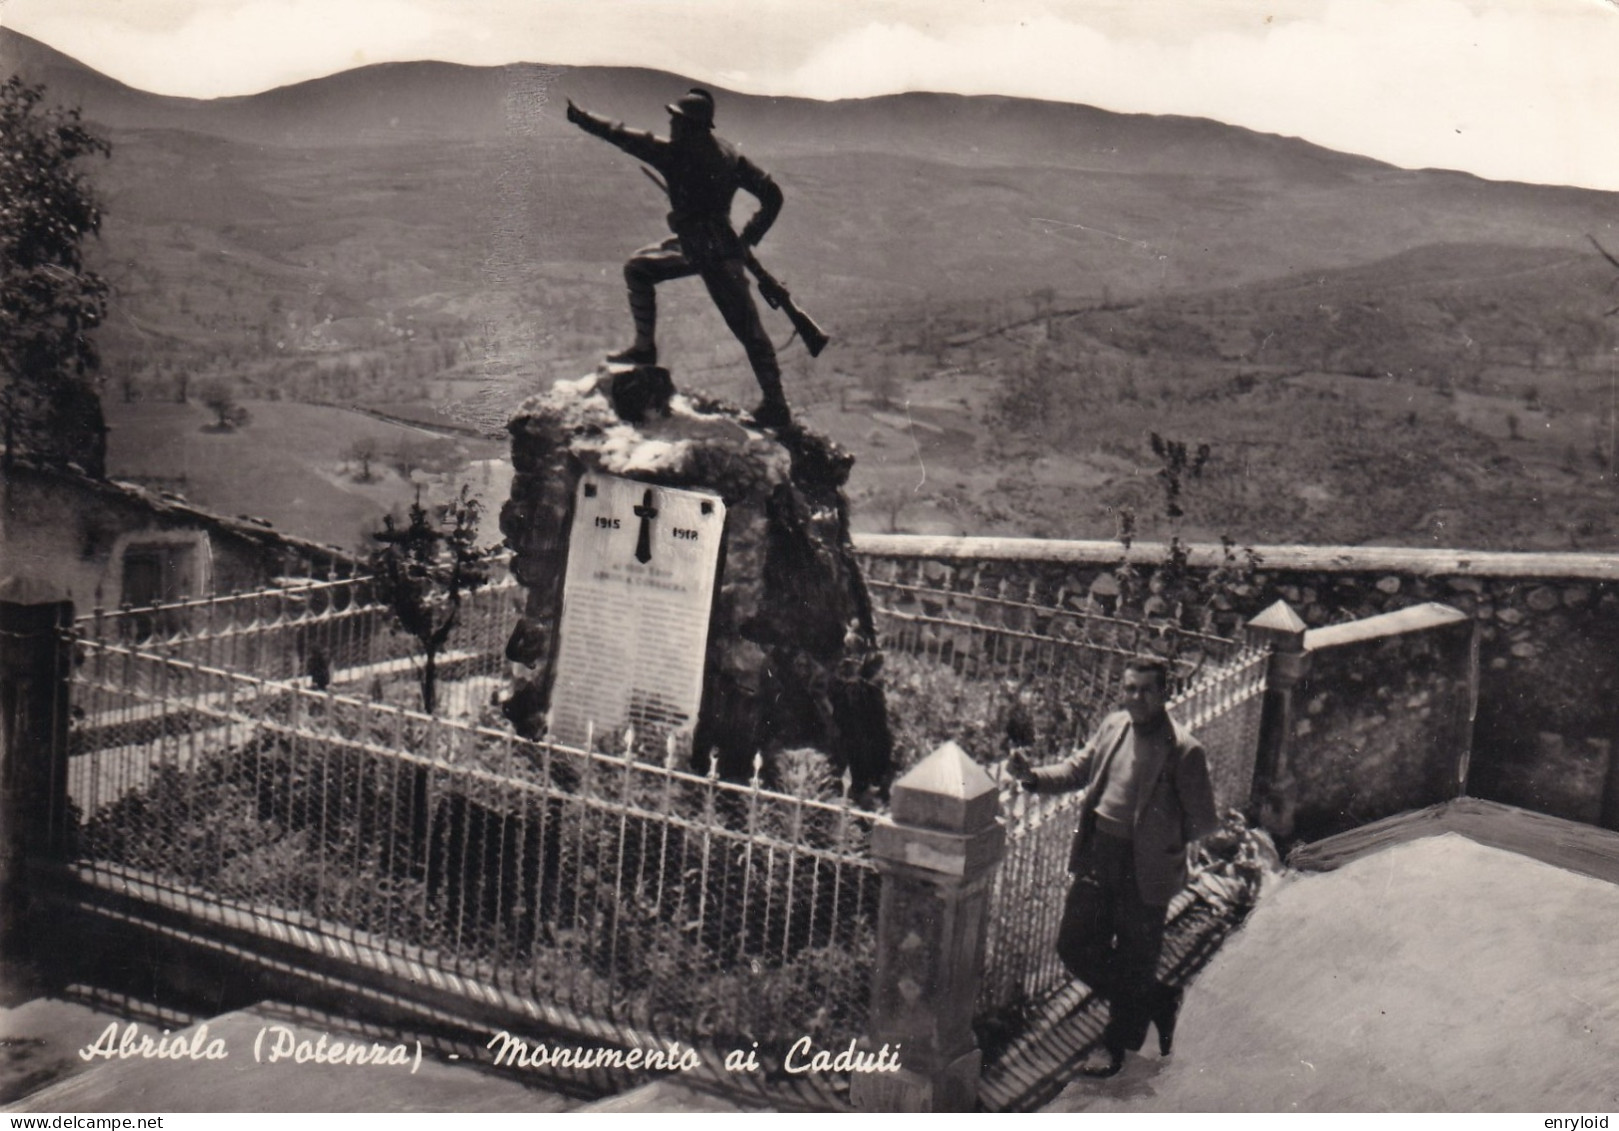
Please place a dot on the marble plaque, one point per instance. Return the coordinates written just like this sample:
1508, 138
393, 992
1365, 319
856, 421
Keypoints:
635, 609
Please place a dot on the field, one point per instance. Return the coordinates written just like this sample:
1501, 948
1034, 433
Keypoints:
292, 464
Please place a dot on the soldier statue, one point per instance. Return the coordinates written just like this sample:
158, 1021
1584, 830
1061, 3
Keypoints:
701, 174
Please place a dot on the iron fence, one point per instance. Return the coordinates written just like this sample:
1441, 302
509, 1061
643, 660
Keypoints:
1021, 969
336, 633
964, 663
924, 592
628, 895
612, 893
1222, 707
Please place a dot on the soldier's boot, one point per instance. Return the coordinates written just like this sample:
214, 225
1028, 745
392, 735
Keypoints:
636, 354
773, 411
644, 312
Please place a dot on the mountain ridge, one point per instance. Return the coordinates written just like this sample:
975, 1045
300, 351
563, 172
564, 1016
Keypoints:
441, 99
1039, 281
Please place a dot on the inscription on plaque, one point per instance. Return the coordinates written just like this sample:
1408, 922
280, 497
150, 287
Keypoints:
635, 607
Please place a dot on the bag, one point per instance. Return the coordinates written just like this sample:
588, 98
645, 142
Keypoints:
1085, 937
1081, 841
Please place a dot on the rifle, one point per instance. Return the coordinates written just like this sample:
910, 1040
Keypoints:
778, 297
771, 289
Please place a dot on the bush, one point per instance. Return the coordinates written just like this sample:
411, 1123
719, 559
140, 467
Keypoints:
930, 703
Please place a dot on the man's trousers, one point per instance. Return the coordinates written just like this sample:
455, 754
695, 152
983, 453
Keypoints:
727, 284
1111, 941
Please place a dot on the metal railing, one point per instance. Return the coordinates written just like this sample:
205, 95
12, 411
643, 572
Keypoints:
1021, 968
964, 656
1222, 707
924, 591
336, 633
630, 897
614, 894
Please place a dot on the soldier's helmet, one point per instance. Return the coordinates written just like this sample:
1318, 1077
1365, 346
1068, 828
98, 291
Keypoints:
696, 106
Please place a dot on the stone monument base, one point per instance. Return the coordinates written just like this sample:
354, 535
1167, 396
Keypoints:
791, 658
637, 392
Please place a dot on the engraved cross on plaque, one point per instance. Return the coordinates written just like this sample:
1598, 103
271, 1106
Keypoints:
646, 512
633, 638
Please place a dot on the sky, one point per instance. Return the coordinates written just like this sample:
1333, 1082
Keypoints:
1523, 90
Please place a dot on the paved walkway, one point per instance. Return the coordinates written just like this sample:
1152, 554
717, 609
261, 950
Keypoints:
1427, 974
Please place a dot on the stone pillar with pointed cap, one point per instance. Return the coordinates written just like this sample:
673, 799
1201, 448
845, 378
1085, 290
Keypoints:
937, 852
1283, 630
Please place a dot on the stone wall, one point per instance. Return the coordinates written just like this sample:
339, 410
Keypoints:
1380, 722
1548, 716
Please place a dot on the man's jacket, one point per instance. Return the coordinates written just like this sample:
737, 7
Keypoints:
703, 173
1174, 806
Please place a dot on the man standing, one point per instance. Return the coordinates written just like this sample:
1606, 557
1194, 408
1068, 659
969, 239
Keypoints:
1147, 796
702, 173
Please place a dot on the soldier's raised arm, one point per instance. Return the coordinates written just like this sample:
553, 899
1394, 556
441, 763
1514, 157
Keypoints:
637, 143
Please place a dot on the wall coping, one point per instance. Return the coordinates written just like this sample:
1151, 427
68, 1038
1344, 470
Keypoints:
1326, 559
1417, 618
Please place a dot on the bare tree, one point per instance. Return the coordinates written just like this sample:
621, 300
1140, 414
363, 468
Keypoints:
422, 573
1606, 254
365, 452
890, 501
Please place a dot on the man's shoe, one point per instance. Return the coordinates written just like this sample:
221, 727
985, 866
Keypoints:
1103, 1063
635, 355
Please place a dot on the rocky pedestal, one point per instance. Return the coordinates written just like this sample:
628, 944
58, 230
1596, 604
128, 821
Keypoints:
791, 658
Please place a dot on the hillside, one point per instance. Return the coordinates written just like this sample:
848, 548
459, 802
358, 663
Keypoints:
1019, 292
295, 466
1460, 395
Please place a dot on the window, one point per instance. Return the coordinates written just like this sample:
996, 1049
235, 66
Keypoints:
157, 574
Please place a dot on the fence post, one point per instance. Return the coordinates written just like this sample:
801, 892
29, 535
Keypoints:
937, 853
1608, 816
35, 662
1282, 629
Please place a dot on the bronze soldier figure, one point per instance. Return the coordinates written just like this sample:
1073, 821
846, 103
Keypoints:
701, 172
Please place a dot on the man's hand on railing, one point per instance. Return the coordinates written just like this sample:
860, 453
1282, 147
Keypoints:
1017, 765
